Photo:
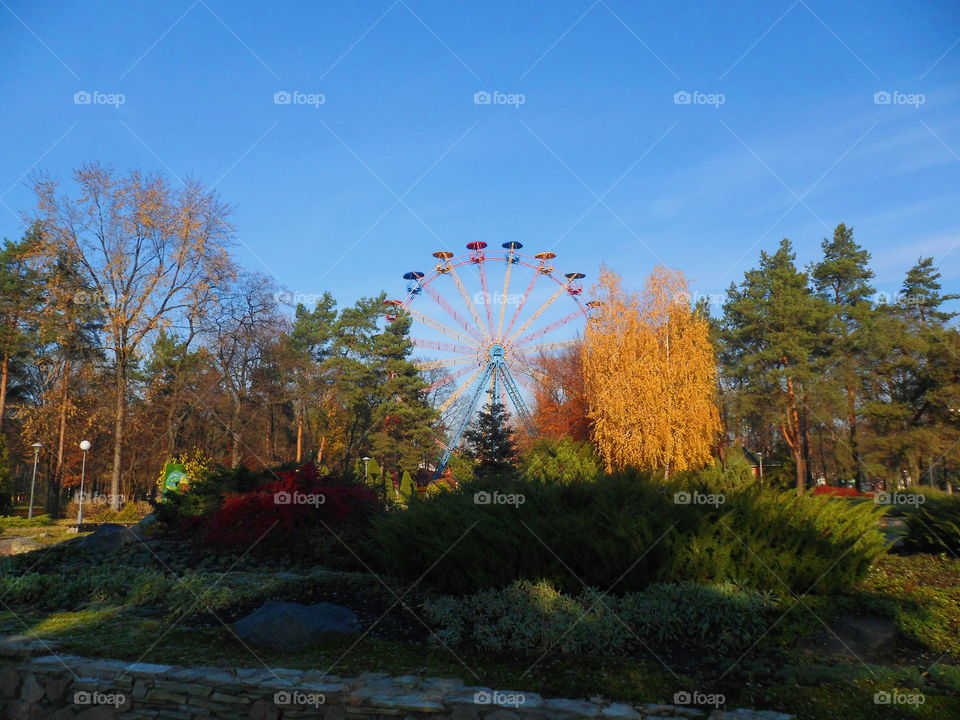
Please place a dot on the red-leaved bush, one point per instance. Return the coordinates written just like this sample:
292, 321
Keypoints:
298, 500
839, 491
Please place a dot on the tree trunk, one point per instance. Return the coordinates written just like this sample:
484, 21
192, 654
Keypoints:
790, 429
854, 449
121, 410
234, 434
805, 441
4, 378
53, 497
323, 444
299, 435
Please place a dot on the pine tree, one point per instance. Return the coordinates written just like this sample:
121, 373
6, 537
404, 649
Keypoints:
921, 293
842, 278
403, 420
491, 442
20, 299
773, 327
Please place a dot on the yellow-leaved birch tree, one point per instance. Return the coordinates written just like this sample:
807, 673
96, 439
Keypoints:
650, 375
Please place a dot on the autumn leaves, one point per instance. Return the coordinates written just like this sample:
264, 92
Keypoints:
650, 375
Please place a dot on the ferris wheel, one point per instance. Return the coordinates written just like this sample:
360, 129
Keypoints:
487, 342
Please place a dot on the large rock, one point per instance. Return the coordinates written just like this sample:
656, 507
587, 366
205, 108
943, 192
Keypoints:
108, 537
286, 625
18, 545
862, 638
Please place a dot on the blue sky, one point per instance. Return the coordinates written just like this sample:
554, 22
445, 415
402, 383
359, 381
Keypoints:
599, 163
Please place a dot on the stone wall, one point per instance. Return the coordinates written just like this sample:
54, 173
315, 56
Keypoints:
36, 684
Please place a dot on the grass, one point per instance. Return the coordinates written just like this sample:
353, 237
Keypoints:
920, 592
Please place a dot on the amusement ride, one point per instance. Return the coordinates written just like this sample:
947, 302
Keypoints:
489, 341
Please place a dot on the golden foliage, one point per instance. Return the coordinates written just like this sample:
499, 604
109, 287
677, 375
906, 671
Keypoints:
650, 375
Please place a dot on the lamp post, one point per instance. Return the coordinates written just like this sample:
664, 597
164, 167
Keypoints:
33, 481
84, 445
760, 458
366, 477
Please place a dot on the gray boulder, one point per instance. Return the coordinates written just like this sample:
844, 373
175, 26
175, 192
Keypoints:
287, 625
18, 545
863, 638
108, 537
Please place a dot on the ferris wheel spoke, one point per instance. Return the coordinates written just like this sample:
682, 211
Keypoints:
523, 301
528, 349
439, 326
447, 379
467, 301
486, 296
529, 337
530, 320
444, 363
445, 347
452, 312
503, 299
455, 395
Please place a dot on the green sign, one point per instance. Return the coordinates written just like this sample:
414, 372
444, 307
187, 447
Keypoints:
173, 475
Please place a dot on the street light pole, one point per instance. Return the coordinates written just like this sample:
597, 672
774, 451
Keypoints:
84, 445
760, 457
33, 481
366, 476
